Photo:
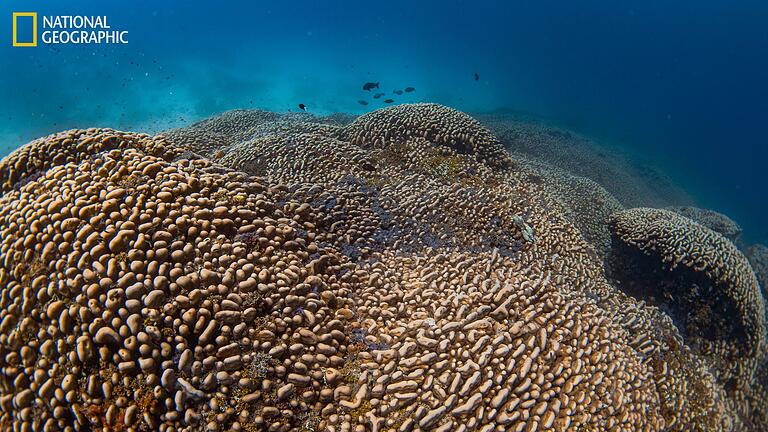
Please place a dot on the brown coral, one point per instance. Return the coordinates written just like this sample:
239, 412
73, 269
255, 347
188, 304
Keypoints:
437, 124
305, 281
584, 202
630, 183
758, 258
719, 272
707, 285
711, 219
211, 135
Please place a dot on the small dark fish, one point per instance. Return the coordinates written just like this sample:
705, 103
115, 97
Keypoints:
409, 89
362, 102
370, 85
302, 107
398, 92
388, 100
477, 77
378, 95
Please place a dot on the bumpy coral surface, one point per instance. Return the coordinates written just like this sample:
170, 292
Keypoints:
706, 282
758, 258
401, 271
437, 124
676, 241
631, 184
711, 219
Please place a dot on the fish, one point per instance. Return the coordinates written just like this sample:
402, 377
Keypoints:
362, 102
409, 89
378, 95
370, 85
388, 100
477, 77
398, 92
302, 107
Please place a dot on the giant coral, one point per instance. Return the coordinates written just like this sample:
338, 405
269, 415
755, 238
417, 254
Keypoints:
711, 219
758, 258
717, 270
398, 273
708, 287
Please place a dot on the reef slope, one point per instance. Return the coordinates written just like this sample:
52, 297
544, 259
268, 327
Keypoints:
401, 271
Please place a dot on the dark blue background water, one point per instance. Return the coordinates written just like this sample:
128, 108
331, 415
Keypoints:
684, 84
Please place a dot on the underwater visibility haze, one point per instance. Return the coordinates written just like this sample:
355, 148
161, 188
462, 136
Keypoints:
406, 215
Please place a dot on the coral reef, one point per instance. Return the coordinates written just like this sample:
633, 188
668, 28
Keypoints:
758, 258
212, 135
584, 202
711, 219
258, 271
633, 185
438, 124
717, 270
706, 284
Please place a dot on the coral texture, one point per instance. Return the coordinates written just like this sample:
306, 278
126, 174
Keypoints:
758, 258
259, 271
438, 124
712, 220
728, 279
709, 288
631, 184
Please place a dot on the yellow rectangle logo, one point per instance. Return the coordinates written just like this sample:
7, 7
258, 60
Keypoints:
16, 42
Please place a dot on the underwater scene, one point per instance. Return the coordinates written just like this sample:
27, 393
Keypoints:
399, 216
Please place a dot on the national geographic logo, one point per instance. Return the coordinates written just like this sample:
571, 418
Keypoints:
65, 30
32, 38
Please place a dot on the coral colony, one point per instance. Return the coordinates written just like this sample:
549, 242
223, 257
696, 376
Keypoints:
399, 271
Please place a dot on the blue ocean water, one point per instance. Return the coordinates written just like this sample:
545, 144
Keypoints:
683, 85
